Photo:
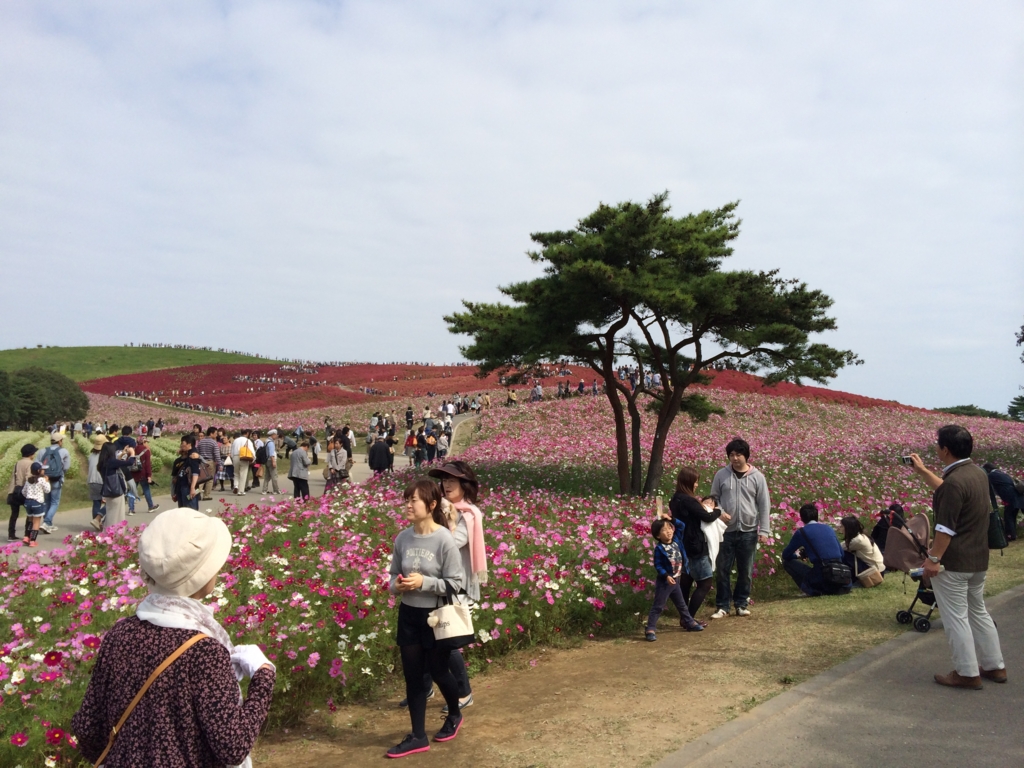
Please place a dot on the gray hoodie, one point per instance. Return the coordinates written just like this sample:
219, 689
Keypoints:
745, 498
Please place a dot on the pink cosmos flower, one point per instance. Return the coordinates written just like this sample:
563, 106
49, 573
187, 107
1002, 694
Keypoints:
313, 660
19, 739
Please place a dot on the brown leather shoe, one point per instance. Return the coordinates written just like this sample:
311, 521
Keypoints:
995, 675
955, 680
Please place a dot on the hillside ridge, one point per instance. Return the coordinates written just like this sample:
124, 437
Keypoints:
85, 363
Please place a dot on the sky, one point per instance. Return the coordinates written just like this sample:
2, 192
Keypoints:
327, 180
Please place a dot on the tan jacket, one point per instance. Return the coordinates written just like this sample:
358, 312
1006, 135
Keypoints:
21, 473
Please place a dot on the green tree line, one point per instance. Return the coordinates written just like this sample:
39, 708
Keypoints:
35, 398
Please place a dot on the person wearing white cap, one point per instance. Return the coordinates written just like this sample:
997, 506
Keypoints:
194, 714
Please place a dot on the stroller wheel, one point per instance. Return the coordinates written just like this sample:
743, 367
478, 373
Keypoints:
903, 617
922, 625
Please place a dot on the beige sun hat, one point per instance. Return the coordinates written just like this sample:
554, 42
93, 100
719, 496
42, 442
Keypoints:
182, 550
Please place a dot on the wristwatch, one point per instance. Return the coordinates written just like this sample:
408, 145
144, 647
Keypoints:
934, 559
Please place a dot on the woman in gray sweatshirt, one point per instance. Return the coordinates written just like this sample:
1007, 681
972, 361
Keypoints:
424, 561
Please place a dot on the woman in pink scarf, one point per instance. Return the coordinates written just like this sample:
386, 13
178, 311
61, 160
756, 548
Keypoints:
460, 487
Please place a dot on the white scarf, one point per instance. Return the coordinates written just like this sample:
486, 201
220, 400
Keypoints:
187, 613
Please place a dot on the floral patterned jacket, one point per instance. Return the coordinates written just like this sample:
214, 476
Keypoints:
192, 715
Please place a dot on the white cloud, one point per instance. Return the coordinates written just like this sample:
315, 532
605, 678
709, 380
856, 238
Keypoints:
336, 176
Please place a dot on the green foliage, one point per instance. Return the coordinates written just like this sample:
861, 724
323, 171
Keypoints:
41, 397
6, 400
1016, 408
631, 281
972, 410
699, 407
84, 363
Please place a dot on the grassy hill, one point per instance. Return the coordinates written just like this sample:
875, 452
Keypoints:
84, 363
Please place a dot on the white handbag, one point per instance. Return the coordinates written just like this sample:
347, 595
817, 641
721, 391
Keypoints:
452, 622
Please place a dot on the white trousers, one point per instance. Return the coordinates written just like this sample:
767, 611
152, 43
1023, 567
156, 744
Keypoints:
241, 472
961, 600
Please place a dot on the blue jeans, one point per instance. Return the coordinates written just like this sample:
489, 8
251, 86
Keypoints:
146, 492
53, 501
181, 492
738, 547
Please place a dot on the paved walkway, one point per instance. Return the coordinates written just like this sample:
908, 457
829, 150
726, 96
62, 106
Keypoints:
72, 521
883, 708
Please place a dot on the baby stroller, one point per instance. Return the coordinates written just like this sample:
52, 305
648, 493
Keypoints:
906, 550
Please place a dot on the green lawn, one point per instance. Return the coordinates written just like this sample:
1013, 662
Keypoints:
84, 363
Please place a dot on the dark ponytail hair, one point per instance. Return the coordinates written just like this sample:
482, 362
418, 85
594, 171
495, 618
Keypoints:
429, 493
686, 481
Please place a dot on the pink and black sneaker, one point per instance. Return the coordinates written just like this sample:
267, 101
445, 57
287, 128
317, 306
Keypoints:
450, 729
410, 745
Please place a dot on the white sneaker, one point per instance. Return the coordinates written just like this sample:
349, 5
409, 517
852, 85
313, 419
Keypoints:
721, 613
742, 612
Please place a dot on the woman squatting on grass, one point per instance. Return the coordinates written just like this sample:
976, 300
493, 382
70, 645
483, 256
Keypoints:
424, 562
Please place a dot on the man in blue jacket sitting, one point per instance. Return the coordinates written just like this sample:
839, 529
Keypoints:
819, 543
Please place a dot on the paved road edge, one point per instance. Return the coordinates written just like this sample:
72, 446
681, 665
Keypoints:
703, 745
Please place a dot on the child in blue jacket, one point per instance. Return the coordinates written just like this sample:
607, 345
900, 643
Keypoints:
669, 559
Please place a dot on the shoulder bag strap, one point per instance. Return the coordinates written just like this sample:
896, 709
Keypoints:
811, 545
145, 687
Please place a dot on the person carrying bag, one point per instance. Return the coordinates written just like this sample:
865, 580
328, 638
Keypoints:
144, 704
834, 572
452, 622
426, 565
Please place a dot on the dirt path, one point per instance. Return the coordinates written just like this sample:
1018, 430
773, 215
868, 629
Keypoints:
620, 702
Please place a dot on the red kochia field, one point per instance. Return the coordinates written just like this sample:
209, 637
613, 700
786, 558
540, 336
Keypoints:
238, 387
267, 388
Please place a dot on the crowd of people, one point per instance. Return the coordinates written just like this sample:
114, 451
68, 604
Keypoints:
701, 538
701, 543
198, 715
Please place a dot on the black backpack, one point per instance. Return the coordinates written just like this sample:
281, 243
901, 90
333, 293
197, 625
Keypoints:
261, 454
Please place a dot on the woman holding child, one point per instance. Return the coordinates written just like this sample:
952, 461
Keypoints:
687, 509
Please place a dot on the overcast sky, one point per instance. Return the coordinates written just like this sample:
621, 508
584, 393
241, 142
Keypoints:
326, 180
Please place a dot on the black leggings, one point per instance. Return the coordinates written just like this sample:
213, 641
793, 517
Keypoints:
457, 665
12, 525
416, 661
695, 600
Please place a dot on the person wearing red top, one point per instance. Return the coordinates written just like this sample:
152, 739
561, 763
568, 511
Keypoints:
143, 476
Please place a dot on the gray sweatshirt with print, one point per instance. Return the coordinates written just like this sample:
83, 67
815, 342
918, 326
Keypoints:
434, 556
745, 498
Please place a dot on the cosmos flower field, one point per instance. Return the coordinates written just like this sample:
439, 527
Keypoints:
568, 557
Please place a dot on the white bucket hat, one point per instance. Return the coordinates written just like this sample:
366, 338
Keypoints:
182, 550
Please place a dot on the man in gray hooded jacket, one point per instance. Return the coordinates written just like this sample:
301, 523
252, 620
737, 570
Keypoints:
742, 491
